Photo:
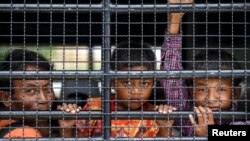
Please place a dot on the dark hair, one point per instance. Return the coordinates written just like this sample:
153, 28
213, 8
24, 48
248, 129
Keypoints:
132, 54
19, 60
216, 60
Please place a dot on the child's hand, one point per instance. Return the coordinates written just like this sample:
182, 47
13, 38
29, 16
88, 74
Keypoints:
66, 129
70, 108
205, 117
163, 109
175, 18
165, 125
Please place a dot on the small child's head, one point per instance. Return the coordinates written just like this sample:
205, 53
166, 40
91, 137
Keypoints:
26, 94
132, 56
216, 92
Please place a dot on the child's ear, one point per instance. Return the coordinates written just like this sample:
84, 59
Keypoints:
113, 86
5, 98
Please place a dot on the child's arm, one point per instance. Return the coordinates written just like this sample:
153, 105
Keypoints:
89, 127
165, 126
205, 118
174, 89
67, 129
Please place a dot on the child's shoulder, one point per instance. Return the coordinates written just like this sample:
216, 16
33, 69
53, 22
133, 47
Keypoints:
94, 99
247, 122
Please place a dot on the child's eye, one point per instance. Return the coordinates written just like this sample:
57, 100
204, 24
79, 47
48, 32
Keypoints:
221, 89
127, 84
201, 89
145, 84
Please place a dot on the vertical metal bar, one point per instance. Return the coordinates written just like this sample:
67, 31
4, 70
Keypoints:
106, 79
11, 47
233, 47
245, 59
63, 59
24, 46
50, 54
37, 50
220, 48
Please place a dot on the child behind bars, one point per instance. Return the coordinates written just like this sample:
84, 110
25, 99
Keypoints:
128, 94
209, 94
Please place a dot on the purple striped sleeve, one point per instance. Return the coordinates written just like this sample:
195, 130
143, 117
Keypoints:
175, 90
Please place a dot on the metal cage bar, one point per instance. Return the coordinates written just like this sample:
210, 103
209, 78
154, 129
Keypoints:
113, 115
106, 79
69, 74
121, 8
107, 8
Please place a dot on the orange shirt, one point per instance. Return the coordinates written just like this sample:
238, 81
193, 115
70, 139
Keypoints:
19, 132
5, 122
119, 127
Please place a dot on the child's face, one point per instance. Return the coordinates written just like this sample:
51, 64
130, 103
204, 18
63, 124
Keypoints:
32, 94
213, 93
133, 92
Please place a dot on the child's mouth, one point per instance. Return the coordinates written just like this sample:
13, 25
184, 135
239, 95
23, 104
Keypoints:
214, 108
135, 100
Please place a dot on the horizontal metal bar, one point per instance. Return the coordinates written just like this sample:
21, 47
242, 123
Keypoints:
111, 139
5, 47
121, 8
115, 23
69, 35
114, 115
51, 7
56, 75
179, 74
222, 7
68, 74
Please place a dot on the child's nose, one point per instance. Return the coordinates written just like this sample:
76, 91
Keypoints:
136, 90
212, 94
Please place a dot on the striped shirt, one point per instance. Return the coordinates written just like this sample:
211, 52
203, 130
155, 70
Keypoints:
175, 90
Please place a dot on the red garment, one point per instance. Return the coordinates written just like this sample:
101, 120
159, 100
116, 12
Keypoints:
119, 128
